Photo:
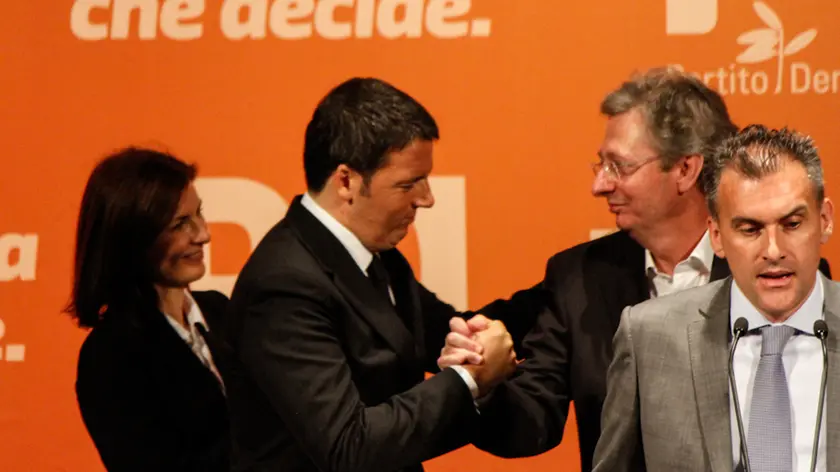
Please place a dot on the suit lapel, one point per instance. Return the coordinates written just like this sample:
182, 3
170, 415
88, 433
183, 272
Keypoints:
406, 295
640, 286
619, 272
349, 279
173, 350
708, 344
831, 313
212, 309
213, 312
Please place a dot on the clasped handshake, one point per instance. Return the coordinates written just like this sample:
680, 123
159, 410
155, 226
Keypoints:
483, 347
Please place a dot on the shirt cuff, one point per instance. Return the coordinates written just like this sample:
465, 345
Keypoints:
467, 379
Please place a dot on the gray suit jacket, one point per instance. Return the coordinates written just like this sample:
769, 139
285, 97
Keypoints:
667, 405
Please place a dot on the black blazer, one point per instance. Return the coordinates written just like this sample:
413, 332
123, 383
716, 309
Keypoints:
569, 349
147, 401
328, 378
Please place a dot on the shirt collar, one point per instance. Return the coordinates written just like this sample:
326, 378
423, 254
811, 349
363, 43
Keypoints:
194, 314
351, 243
193, 317
802, 320
702, 256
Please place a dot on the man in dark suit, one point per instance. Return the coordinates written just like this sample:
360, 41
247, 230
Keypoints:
331, 332
660, 126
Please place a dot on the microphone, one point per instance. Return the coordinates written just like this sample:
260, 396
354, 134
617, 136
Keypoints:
740, 328
821, 331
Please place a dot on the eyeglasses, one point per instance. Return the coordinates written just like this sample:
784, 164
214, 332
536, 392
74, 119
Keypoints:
619, 170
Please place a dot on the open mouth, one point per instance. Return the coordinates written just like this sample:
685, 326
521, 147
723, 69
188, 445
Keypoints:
776, 277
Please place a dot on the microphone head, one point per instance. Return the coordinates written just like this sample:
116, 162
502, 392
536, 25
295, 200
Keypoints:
741, 326
820, 329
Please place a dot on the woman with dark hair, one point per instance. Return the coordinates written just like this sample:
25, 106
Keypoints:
148, 387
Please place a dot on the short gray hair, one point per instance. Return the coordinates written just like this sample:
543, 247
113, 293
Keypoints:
758, 151
684, 117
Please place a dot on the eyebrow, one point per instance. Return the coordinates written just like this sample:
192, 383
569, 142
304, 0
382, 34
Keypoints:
739, 220
182, 216
611, 156
411, 181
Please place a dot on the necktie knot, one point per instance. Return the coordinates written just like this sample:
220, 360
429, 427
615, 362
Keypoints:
376, 271
774, 338
378, 275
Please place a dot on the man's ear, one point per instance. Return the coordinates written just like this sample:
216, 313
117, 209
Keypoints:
827, 219
347, 183
714, 237
689, 169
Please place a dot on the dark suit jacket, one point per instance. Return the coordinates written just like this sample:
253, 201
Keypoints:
570, 348
327, 375
147, 401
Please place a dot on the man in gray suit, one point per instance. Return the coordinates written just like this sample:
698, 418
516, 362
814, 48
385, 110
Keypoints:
669, 402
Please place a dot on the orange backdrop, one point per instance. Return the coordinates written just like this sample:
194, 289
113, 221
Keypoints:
514, 85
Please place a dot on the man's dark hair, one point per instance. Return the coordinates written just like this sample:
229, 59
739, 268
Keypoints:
358, 123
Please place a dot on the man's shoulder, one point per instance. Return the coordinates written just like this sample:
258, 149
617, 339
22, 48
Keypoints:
677, 306
613, 245
617, 249
831, 290
281, 245
280, 258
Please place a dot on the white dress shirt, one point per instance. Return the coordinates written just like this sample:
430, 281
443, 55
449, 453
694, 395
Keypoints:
802, 360
363, 257
694, 271
192, 337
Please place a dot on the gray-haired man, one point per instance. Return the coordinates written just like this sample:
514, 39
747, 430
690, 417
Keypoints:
668, 401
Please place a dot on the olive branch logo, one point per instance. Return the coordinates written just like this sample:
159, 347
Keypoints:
767, 43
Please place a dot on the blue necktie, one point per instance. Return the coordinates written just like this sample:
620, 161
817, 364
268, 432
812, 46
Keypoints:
770, 440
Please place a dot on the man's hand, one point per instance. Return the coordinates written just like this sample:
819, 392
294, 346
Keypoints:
499, 357
483, 347
462, 346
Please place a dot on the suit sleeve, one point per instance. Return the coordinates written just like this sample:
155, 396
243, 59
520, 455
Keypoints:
518, 313
289, 345
619, 448
436, 315
119, 412
526, 415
